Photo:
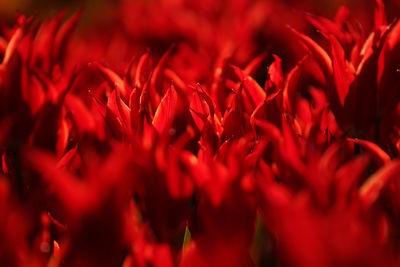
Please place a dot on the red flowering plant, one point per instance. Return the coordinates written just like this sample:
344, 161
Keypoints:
156, 142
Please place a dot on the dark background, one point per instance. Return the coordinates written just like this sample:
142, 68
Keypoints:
95, 9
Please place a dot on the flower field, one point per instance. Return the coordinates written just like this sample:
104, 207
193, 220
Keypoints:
201, 133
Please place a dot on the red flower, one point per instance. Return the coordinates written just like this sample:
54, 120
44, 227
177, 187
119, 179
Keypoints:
176, 136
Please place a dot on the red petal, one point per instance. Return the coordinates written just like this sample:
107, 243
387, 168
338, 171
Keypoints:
275, 75
113, 79
361, 101
370, 190
199, 109
66, 160
166, 110
66, 186
379, 15
269, 129
253, 65
347, 178
63, 35
378, 153
81, 116
253, 91
329, 27
318, 53
143, 70
44, 43
123, 111
289, 93
12, 46
342, 72
156, 78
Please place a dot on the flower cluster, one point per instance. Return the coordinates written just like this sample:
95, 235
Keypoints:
173, 136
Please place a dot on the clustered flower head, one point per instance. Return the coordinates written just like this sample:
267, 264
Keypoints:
200, 133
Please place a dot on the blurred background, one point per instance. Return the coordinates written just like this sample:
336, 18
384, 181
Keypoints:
45, 8
95, 8
113, 31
